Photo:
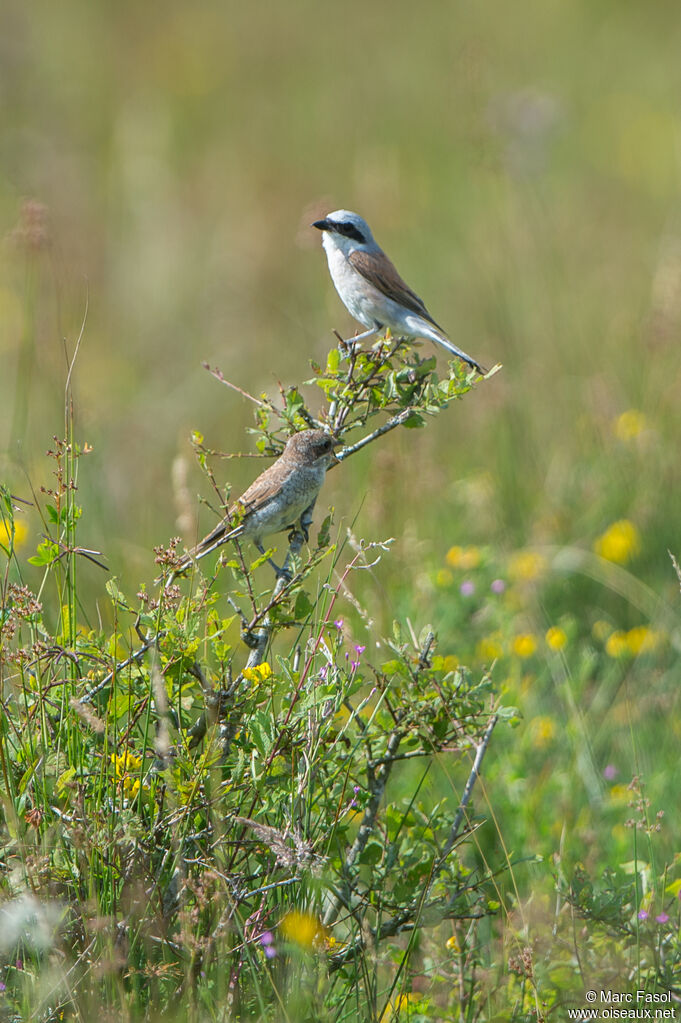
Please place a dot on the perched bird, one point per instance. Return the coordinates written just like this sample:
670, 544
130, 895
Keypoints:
371, 288
283, 496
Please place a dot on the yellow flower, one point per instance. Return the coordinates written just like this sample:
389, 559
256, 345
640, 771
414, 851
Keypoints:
629, 425
524, 645
619, 793
333, 945
464, 558
543, 730
642, 640
556, 638
20, 533
616, 645
443, 578
526, 566
452, 944
302, 929
392, 1009
126, 762
489, 648
600, 630
619, 543
131, 786
258, 673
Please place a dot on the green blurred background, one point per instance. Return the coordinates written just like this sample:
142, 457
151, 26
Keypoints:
521, 164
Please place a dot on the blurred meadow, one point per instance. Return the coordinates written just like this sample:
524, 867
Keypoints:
160, 167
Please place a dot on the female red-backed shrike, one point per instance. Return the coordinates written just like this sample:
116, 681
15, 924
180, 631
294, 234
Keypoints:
282, 497
371, 288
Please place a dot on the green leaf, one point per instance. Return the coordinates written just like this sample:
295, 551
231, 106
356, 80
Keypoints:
116, 595
46, 553
261, 729
64, 780
510, 714
372, 853
294, 401
392, 668
324, 534
333, 361
258, 561
303, 607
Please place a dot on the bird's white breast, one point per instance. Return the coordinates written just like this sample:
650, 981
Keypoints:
353, 289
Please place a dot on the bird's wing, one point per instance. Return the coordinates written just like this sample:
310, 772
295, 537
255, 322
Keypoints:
263, 490
382, 274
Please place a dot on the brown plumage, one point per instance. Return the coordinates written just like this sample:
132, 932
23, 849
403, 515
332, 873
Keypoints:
281, 497
384, 276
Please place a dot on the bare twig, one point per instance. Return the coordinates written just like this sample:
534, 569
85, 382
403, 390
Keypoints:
391, 424
217, 373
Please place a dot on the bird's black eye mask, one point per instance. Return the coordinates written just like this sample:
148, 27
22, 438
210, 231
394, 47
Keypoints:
350, 231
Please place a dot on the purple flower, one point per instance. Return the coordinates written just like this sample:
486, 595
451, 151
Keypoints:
3, 987
356, 789
662, 918
467, 588
266, 939
354, 665
497, 586
338, 623
360, 649
610, 772
642, 915
19, 964
323, 671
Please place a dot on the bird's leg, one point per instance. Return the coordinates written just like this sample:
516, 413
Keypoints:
306, 521
347, 347
279, 572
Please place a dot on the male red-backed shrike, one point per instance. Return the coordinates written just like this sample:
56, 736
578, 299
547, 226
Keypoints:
283, 496
371, 288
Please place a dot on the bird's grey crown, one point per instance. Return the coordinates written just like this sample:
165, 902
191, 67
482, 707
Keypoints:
350, 225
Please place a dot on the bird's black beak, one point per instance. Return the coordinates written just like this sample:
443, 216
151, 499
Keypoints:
322, 225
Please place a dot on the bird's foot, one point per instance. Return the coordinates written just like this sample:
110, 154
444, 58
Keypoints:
347, 348
282, 573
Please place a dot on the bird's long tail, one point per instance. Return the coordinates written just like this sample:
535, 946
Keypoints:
221, 534
441, 338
